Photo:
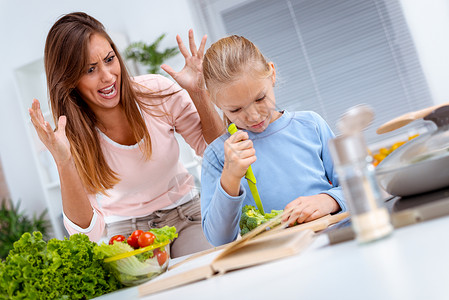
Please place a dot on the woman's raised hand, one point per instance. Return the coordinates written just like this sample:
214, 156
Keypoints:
55, 141
191, 76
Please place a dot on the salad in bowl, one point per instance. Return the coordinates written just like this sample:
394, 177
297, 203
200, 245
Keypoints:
140, 257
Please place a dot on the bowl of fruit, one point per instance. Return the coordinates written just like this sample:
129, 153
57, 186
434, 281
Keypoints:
140, 257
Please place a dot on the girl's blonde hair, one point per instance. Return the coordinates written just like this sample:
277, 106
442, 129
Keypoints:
65, 58
228, 59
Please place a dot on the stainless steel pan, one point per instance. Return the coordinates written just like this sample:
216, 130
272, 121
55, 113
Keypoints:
420, 165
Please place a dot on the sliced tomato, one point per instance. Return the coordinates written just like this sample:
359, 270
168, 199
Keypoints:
118, 238
146, 239
133, 239
161, 256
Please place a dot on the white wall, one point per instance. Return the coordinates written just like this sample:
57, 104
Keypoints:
23, 29
429, 25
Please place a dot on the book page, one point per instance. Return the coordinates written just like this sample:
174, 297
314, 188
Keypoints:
188, 272
264, 249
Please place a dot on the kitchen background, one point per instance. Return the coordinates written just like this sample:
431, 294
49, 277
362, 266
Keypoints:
330, 55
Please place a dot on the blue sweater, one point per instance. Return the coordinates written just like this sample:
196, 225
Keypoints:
293, 160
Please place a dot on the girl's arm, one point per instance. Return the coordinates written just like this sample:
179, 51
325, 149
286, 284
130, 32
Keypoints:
191, 79
335, 191
222, 193
309, 208
220, 212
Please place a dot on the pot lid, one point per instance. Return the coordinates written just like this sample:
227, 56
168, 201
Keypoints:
429, 146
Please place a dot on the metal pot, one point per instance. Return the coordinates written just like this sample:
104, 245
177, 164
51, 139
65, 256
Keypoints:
420, 165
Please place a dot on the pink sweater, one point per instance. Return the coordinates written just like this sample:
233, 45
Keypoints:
162, 181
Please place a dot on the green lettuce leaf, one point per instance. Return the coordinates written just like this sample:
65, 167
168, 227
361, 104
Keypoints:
164, 234
59, 269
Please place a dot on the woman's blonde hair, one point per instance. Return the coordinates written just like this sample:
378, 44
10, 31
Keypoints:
228, 59
65, 58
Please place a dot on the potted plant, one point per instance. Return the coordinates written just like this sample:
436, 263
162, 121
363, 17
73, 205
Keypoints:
14, 223
149, 55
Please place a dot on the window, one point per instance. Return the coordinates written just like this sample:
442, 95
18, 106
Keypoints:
330, 54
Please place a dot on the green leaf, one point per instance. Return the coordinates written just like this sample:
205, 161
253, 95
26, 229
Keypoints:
149, 55
164, 234
59, 269
13, 224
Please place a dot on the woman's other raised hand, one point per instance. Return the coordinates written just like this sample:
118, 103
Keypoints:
191, 76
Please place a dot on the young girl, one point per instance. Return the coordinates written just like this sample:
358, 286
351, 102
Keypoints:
288, 151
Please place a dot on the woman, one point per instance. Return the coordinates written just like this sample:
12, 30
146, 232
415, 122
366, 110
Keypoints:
113, 145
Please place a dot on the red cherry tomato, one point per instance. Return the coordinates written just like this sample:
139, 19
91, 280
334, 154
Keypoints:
118, 238
161, 256
146, 239
133, 238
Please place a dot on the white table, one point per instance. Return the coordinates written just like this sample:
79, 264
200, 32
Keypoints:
412, 263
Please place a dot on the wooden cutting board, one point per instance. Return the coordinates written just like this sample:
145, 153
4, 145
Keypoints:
315, 225
245, 252
407, 118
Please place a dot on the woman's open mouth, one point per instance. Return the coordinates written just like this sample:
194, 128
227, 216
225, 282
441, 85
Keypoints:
108, 92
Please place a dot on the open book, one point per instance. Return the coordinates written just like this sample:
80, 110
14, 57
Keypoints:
257, 247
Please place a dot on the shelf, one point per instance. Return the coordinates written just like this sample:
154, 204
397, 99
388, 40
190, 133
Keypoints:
30, 83
53, 185
192, 164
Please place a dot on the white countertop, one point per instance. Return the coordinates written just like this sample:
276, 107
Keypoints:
412, 263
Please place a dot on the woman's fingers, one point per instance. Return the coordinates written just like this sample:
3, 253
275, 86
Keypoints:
55, 140
181, 47
43, 128
36, 109
192, 44
202, 46
62, 121
169, 70
49, 131
194, 51
33, 118
37, 119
